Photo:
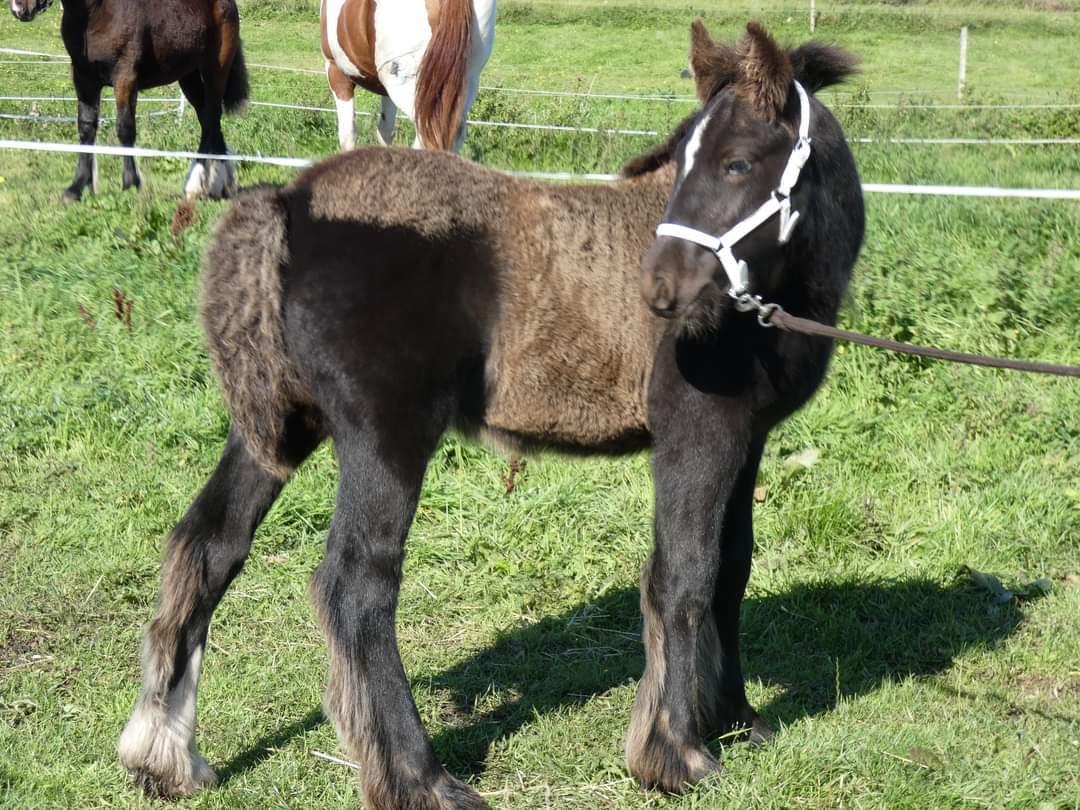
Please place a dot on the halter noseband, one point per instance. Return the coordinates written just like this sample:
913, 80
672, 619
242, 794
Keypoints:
779, 202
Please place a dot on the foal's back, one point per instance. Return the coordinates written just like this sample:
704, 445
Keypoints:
518, 301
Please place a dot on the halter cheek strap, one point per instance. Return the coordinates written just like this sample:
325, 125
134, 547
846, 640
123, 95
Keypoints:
779, 202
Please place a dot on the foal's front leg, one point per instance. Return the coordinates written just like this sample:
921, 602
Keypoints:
88, 92
695, 464
356, 590
723, 707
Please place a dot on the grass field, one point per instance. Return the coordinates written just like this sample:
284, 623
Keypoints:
895, 677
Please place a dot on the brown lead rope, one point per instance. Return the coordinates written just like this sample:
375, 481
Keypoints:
770, 316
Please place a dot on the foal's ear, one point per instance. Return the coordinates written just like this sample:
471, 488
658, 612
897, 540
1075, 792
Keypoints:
713, 65
764, 72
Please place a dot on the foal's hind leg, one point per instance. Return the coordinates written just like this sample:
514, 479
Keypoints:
722, 703
356, 589
205, 551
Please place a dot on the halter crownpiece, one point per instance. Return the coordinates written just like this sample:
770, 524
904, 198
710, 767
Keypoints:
779, 202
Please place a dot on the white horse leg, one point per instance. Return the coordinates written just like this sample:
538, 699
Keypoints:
384, 131
195, 184
483, 41
398, 78
472, 87
158, 743
342, 87
346, 122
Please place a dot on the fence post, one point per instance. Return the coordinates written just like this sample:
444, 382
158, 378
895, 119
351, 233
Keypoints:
963, 63
813, 15
180, 108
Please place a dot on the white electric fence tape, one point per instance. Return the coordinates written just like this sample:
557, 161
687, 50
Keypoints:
871, 188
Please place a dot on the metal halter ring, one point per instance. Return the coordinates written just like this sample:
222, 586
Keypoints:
745, 302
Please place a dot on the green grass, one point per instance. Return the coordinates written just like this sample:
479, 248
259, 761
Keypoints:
894, 680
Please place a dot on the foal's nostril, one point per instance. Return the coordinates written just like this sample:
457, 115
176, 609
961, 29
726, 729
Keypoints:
663, 300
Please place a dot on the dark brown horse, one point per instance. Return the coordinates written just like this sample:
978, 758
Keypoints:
131, 45
387, 295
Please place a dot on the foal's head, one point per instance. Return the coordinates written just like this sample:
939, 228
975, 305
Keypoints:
741, 150
26, 10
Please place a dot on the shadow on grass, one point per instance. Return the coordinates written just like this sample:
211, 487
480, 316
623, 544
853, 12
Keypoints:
816, 641
267, 745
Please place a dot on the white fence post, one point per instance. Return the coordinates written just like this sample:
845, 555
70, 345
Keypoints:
813, 15
963, 63
180, 108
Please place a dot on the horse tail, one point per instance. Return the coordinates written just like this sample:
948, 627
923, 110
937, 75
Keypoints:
236, 83
241, 309
440, 85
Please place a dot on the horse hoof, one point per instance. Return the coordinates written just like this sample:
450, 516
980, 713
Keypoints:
161, 757
446, 793
454, 794
669, 766
154, 786
760, 732
736, 725
71, 195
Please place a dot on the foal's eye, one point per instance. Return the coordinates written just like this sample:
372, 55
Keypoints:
739, 167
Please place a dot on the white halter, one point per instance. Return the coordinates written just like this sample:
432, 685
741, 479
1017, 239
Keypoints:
779, 202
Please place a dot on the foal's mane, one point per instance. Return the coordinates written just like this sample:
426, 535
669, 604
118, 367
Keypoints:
662, 153
754, 60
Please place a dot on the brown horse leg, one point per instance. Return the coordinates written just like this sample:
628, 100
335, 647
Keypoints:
212, 178
205, 552
126, 93
343, 88
192, 88
722, 703
195, 92
88, 91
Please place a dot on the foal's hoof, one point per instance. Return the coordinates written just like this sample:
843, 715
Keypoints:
156, 786
743, 725
453, 794
447, 793
667, 765
71, 195
760, 732
163, 763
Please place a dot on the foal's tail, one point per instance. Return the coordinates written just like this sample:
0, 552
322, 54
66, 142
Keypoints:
440, 85
236, 83
242, 317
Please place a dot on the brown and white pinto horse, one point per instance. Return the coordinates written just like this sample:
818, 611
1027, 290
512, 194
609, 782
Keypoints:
423, 57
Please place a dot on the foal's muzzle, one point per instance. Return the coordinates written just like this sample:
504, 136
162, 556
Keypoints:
674, 274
